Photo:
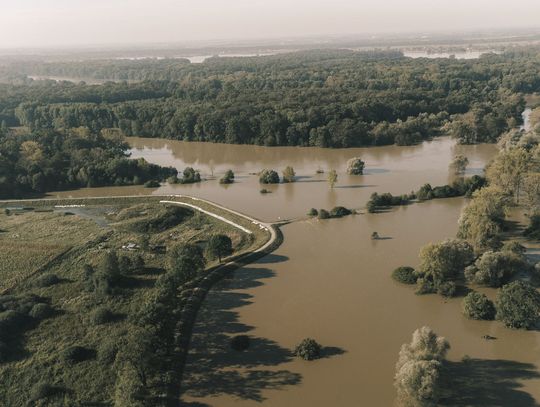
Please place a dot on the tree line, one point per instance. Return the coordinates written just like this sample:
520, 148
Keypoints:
325, 99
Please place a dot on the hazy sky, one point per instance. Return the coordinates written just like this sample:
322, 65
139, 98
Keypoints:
33, 23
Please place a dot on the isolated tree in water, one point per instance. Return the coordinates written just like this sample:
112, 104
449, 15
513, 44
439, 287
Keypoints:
332, 178
459, 164
288, 174
219, 246
418, 369
355, 166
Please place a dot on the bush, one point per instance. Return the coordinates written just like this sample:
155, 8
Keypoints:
447, 289
264, 191
219, 246
107, 351
190, 176
518, 305
339, 211
308, 349
424, 286
47, 280
288, 175
42, 390
268, 177
240, 342
513, 247
533, 230
405, 275
152, 184
478, 306
76, 354
324, 214
10, 321
355, 166
495, 268
41, 311
313, 212
102, 315
228, 178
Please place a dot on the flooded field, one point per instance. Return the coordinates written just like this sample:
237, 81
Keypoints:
330, 281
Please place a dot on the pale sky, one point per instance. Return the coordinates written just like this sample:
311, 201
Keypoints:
37, 23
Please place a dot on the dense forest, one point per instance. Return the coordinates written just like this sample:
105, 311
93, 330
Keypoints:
48, 160
327, 98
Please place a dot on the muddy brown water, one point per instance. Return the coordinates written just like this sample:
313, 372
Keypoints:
330, 281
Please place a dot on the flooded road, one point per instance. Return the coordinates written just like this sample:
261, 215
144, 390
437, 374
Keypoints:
330, 281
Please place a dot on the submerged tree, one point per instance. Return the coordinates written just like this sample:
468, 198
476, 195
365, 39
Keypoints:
418, 369
332, 178
518, 305
228, 177
355, 166
268, 177
459, 164
288, 174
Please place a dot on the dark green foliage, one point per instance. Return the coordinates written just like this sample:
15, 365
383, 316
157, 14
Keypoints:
125, 264
43, 390
190, 176
518, 305
185, 261
240, 342
324, 214
151, 184
339, 212
425, 286
49, 160
478, 306
313, 212
384, 200
405, 275
107, 350
47, 280
41, 311
533, 230
219, 246
161, 220
102, 315
330, 98
268, 177
494, 269
308, 349
447, 288
228, 178
76, 354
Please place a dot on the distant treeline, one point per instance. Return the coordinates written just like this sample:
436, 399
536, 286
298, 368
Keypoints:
319, 98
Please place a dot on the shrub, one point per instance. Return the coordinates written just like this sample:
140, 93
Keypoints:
151, 184
264, 191
190, 176
478, 306
240, 342
405, 275
533, 230
76, 354
10, 321
424, 286
288, 174
124, 264
102, 315
268, 177
313, 212
324, 214
339, 211
42, 390
518, 305
513, 247
228, 178
107, 351
47, 280
308, 349
447, 289
495, 268
41, 311
355, 166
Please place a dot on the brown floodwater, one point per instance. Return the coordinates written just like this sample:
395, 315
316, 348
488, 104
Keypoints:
330, 281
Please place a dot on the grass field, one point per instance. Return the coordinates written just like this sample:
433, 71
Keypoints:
35, 370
